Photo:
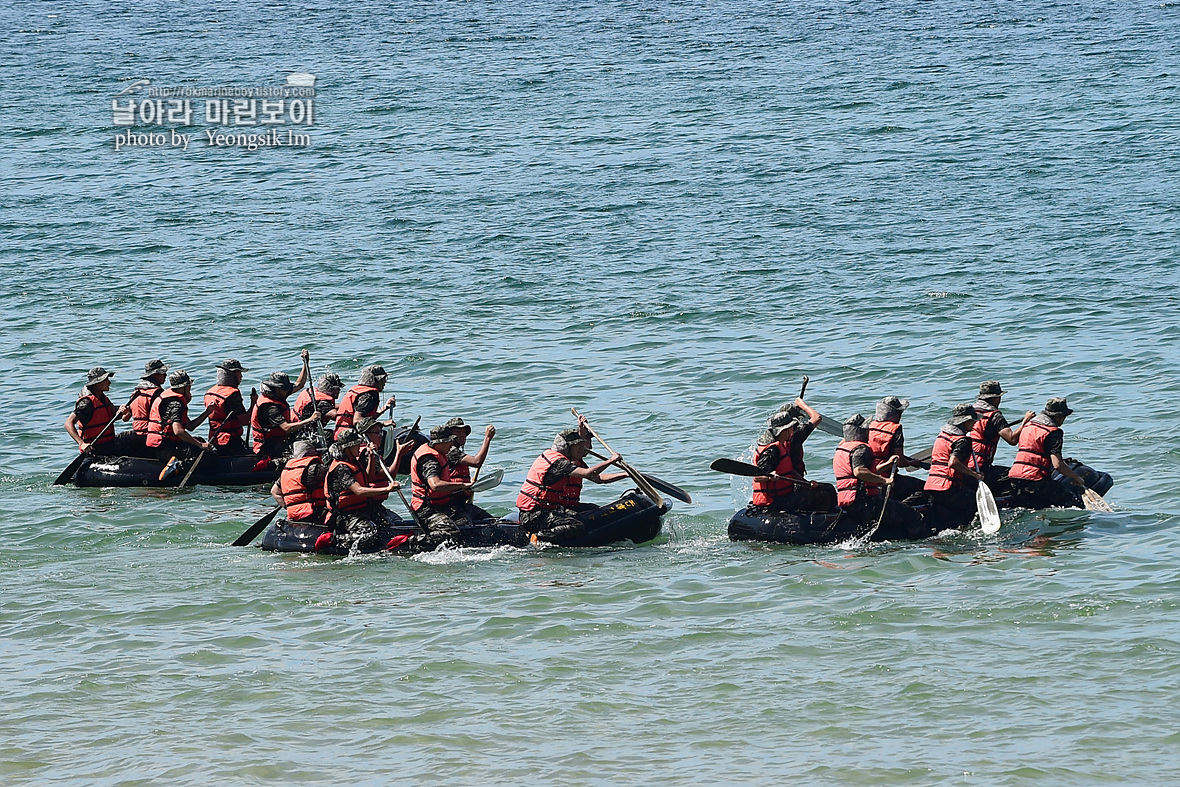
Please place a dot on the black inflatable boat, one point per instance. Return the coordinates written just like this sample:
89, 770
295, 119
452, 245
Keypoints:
213, 470
633, 517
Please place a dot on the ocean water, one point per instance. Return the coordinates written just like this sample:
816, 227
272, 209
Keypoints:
663, 214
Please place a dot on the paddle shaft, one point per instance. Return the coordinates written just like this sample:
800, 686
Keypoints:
636, 476
256, 528
314, 406
734, 467
189, 474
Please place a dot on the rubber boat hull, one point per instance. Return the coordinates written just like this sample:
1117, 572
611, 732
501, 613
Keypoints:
131, 471
811, 527
633, 517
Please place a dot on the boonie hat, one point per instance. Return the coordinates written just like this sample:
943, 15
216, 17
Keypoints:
330, 382
371, 375
153, 368
456, 424
180, 379
991, 388
440, 434
567, 437
348, 438
781, 422
855, 427
302, 448
1057, 406
962, 415
97, 375
890, 405
280, 381
363, 425
232, 365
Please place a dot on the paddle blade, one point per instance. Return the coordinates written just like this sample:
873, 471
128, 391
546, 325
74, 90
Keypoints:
669, 489
256, 528
989, 513
490, 480
68, 474
1095, 502
831, 427
734, 467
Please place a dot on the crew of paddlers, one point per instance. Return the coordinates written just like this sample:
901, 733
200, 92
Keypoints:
339, 479
867, 459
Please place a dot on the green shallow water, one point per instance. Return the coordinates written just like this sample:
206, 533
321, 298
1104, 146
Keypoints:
664, 216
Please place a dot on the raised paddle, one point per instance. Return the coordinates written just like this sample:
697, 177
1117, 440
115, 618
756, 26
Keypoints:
73, 466
665, 487
314, 406
734, 467
256, 528
636, 476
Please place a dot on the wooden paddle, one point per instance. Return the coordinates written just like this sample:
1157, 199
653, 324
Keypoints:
246, 538
665, 487
1095, 502
636, 476
985, 506
490, 481
73, 466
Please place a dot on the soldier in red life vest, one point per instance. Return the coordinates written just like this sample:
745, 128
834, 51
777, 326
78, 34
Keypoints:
353, 486
814, 496
461, 463
1038, 455
272, 421
550, 498
300, 488
777, 490
168, 422
363, 399
860, 481
327, 388
91, 424
887, 440
989, 429
439, 499
950, 487
228, 414
155, 374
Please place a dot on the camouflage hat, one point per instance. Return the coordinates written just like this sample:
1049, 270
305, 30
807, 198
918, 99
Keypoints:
347, 439
568, 437
329, 382
232, 365
1057, 406
152, 368
781, 422
455, 424
97, 375
855, 428
963, 414
279, 381
180, 379
890, 406
441, 434
363, 425
991, 388
372, 375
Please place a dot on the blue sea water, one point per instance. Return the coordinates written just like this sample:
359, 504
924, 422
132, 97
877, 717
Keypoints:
663, 214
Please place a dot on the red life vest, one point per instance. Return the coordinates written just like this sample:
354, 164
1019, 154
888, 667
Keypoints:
565, 492
346, 412
983, 447
102, 414
301, 502
942, 477
302, 408
223, 429
881, 435
160, 433
766, 491
461, 473
141, 407
421, 492
849, 488
1032, 462
261, 433
346, 500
